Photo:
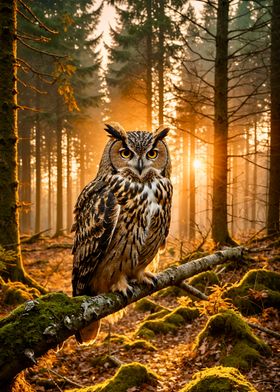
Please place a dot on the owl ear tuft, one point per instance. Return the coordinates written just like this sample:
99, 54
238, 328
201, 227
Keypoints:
160, 133
116, 131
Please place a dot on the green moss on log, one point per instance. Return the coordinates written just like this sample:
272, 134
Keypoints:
237, 344
168, 323
259, 289
128, 376
219, 379
202, 282
46, 310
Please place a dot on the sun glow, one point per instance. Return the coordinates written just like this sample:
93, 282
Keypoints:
197, 164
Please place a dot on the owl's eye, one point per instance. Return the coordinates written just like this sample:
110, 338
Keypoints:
152, 154
125, 153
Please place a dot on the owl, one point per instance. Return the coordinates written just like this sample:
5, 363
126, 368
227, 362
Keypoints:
122, 217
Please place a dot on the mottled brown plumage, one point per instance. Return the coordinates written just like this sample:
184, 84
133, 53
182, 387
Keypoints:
122, 217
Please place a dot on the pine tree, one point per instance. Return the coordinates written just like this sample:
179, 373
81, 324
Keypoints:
273, 224
9, 203
74, 66
141, 56
222, 60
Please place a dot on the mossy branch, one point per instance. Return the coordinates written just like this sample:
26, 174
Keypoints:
37, 326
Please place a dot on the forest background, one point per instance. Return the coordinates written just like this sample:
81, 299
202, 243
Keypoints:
208, 69
203, 67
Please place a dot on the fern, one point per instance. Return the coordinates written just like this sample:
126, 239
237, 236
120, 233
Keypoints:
215, 303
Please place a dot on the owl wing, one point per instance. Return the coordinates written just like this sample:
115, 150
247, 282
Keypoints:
96, 216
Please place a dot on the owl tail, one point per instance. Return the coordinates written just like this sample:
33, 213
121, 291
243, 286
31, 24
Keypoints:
88, 334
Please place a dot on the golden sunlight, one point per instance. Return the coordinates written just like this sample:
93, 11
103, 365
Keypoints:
197, 164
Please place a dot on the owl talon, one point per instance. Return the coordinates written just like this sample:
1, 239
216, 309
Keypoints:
126, 291
147, 277
154, 280
122, 287
129, 290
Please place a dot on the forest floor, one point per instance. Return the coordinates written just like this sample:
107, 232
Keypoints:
49, 261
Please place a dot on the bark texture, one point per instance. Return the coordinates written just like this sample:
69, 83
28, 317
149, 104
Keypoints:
219, 218
9, 203
274, 182
161, 61
25, 181
38, 166
59, 180
149, 68
39, 325
70, 206
192, 188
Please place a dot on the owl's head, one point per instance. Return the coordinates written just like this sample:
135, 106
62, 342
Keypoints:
138, 154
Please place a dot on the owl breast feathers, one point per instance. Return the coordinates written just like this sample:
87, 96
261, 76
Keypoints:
122, 217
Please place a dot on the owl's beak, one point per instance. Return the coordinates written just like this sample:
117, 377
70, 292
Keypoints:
140, 165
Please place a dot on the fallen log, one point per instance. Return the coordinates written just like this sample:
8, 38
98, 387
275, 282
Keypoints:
35, 237
42, 324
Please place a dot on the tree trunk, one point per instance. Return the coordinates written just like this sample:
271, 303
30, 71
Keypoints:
234, 188
37, 326
247, 183
38, 167
209, 174
82, 161
274, 182
69, 184
192, 181
255, 179
220, 232
184, 200
59, 190
49, 184
161, 62
9, 215
25, 180
149, 65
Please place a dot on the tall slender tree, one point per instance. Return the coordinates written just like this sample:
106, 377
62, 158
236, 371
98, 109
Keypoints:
220, 232
273, 224
38, 137
73, 66
9, 201
141, 56
222, 58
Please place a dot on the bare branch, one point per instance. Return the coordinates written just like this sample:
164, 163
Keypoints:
188, 132
192, 21
33, 88
35, 71
35, 17
56, 56
32, 37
